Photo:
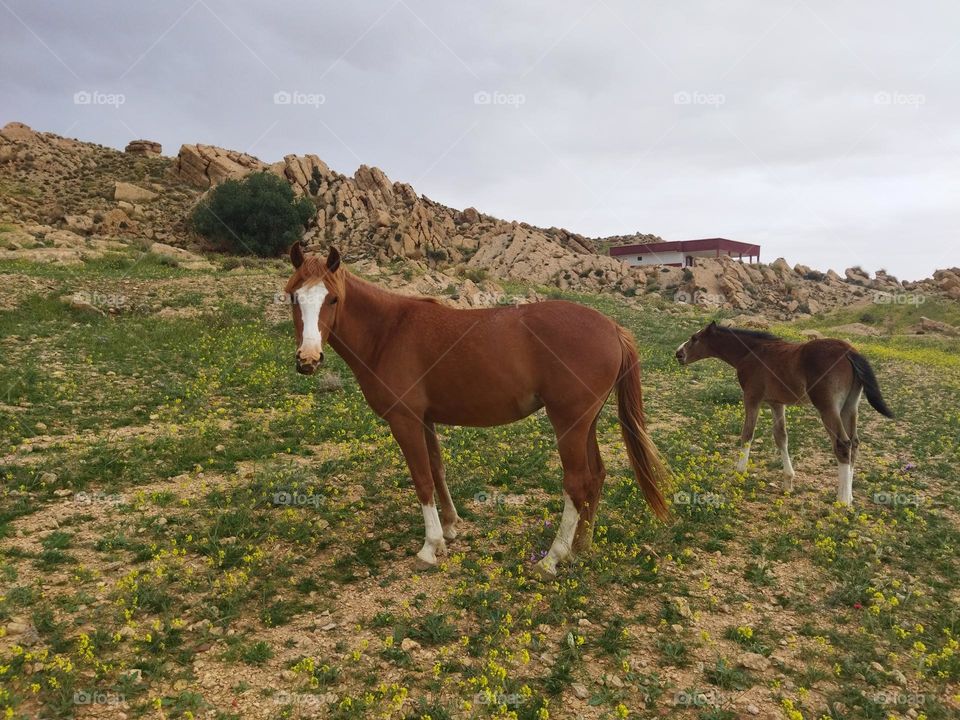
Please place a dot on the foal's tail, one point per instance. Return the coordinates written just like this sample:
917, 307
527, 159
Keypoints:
644, 457
864, 373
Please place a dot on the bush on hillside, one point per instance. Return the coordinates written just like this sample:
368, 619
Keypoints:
257, 214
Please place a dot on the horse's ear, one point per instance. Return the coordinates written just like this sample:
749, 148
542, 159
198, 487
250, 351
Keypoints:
713, 324
296, 254
333, 260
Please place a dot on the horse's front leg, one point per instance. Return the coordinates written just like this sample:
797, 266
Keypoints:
751, 408
448, 511
410, 436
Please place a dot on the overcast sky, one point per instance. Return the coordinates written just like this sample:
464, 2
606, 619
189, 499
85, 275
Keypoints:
826, 131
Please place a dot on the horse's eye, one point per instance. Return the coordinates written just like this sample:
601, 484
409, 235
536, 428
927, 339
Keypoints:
333, 301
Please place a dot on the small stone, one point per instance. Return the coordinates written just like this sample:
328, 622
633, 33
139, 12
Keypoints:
754, 661
753, 709
408, 645
329, 626
583, 622
580, 691
47, 478
677, 628
878, 667
63, 492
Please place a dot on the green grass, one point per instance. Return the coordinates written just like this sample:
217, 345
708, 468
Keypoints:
183, 433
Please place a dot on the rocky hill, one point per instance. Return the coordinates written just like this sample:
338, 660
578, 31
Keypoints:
64, 200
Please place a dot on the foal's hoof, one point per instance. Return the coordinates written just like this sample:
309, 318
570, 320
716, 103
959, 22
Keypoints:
450, 531
787, 483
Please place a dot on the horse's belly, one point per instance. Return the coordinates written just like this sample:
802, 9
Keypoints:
484, 411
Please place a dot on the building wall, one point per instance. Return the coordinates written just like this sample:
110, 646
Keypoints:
663, 258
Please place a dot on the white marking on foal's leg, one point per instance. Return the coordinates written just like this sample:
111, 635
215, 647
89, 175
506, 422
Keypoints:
744, 456
563, 542
787, 469
845, 484
433, 541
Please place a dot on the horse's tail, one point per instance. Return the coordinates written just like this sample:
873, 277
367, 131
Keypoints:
864, 373
644, 458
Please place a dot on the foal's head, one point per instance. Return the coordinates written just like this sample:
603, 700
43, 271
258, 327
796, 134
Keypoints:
698, 346
315, 290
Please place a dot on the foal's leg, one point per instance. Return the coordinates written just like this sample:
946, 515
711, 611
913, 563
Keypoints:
780, 437
849, 416
410, 435
448, 513
841, 448
583, 538
751, 408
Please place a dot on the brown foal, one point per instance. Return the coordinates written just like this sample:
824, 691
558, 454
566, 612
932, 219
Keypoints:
830, 374
420, 363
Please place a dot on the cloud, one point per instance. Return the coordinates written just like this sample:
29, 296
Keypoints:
824, 132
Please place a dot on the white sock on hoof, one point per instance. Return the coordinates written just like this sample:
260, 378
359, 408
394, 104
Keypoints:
845, 484
433, 542
787, 465
744, 457
563, 542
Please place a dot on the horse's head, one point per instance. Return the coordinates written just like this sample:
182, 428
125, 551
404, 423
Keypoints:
697, 347
314, 290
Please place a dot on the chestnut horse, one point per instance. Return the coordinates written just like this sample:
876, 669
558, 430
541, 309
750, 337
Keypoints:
420, 363
828, 373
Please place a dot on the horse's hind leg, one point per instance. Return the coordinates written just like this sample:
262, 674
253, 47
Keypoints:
583, 538
780, 437
830, 414
448, 512
577, 482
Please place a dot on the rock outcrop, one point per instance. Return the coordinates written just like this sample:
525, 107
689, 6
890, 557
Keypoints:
143, 147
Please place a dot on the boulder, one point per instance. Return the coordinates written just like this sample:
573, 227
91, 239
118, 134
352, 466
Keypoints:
123, 191
148, 148
17, 132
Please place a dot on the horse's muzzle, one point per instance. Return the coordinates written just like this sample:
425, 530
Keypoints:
308, 367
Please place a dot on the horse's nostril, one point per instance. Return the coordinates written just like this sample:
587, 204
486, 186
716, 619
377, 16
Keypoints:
321, 357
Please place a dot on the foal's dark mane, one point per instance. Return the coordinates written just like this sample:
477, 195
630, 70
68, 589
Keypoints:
746, 334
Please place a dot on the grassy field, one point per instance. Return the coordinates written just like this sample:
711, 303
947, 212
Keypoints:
190, 529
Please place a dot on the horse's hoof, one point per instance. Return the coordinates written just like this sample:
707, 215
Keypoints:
450, 532
420, 564
787, 483
543, 572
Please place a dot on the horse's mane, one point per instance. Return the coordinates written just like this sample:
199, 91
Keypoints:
744, 333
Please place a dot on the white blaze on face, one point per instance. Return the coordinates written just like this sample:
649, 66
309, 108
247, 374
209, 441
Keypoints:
682, 350
310, 299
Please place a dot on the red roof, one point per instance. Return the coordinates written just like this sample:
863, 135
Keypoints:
721, 244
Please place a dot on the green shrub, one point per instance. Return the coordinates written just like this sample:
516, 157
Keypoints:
257, 214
